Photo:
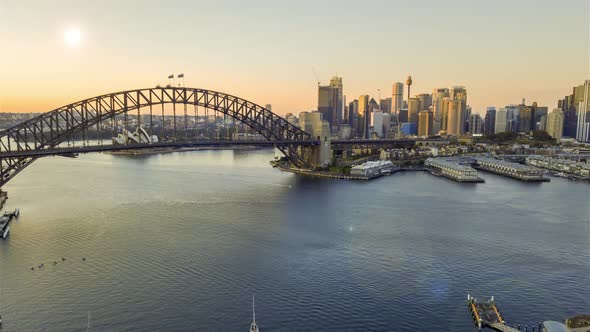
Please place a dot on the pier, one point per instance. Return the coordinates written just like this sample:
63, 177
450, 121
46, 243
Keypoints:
510, 169
452, 169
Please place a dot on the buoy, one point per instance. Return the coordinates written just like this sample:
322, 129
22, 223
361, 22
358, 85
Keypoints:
83, 258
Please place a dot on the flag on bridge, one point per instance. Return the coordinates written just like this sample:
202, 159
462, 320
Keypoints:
171, 76
180, 76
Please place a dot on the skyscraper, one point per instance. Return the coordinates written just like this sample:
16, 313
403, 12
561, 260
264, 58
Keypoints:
414, 107
460, 93
490, 121
425, 120
385, 105
526, 118
455, 124
501, 119
437, 107
330, 101
353, 116
582, 97
475, 124
425, 101
363, 116
397, 97
555, 123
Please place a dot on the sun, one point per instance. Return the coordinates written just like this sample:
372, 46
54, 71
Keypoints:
72, 37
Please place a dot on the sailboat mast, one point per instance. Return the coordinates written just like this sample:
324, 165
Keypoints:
253, 310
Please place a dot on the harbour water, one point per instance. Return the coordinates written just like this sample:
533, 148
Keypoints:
181, 241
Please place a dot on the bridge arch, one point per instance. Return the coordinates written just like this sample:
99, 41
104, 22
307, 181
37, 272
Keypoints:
50, 129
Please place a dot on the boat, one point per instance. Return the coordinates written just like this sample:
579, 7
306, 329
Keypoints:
5, 232
4, 226
253, 326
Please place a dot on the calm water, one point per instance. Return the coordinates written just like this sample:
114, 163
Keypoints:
181, 241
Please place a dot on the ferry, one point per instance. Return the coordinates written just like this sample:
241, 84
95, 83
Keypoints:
253, 326
5, 222
4, 226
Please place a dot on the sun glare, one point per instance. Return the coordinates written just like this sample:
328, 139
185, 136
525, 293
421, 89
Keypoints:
72, 37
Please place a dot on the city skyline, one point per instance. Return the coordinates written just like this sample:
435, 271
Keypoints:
90, 49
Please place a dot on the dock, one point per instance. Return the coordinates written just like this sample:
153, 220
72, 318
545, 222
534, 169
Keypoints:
487, 315
512, 170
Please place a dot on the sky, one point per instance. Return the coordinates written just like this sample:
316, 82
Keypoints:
266, 51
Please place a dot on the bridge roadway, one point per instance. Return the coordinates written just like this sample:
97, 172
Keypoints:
337, 144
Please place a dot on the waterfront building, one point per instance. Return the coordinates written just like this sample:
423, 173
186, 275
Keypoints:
582, 100
490, 121
372, 169
363, 116
438, 95
330, 101
475, 124
414, 107
555, 124
408, 129
510, 169
425, 121
452, 169
397, 97
578, 169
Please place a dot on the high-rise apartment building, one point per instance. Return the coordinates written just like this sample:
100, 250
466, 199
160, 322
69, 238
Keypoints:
397, 97
555, 123
330, 101
455, 122
437, 108
425, 122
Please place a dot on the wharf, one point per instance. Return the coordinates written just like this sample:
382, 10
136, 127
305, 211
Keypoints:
455, 178
487, 315
517, 176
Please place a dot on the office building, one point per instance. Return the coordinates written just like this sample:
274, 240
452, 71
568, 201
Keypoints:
377, 122
490, 121
414, 107
425, 101
555, 123
501, 121
330, 101
313, 123
402, 115
425, 123
363, 116
526, 118
385, 105
475, 124
408, 129
353, 117
397, 97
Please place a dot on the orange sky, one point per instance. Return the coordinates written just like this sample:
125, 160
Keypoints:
264, 51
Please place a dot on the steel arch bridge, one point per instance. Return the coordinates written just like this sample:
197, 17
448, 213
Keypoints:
24, 143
